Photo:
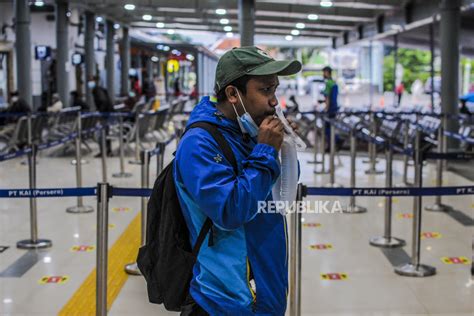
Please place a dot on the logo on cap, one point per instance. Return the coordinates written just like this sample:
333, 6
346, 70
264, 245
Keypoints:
263, 53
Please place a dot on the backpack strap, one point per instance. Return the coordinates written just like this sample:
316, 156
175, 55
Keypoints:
229, 155
220, 139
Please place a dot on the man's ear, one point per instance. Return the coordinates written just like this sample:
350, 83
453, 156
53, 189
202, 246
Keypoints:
231, 94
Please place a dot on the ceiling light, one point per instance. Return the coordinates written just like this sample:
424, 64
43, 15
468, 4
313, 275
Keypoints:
229, 34
228, 28
300, 25
147, 17
224, 21
68, 14
116, 26
166, 48
221, 11
129, 7
154, 59
170, 32
39, 3
289, 38
160, 25
326, 4
295, 32
99, 19
189, 57
313, 17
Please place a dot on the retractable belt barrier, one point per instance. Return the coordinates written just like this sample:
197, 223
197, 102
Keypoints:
310, 191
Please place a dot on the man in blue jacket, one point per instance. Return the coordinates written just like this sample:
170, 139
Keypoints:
245, 271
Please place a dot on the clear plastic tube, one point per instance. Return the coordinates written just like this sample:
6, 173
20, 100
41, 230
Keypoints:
299, 143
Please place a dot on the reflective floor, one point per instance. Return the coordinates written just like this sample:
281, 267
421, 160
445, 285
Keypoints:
342, 274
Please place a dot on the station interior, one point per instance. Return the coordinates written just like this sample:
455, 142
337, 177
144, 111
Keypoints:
388, 178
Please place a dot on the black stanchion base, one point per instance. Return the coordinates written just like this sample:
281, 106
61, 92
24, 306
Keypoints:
386, 242
80, 209
83, 162
122, 175
438, 208
135, 162
373, 171
30, 244
354, 209
368, 161
419, 270
132, 269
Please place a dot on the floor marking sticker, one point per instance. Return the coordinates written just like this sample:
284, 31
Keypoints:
311, 225
405, 215
321, 246
54, 279
82, 248
334, 276
456, 260
3, 248
431, 235
395, 200
121, 209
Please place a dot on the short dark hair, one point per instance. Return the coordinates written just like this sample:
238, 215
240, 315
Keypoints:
328, 69
240, 83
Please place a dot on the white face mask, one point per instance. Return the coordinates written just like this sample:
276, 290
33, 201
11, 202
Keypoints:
14, 99
91, 84
246, 122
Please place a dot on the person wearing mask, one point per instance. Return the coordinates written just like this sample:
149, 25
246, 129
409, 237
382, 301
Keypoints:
244, 271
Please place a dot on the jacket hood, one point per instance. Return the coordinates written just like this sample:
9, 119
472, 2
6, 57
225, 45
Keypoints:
206, 111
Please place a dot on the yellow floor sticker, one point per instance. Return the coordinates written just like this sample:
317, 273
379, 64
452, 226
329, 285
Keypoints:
311, 225
82, 248
321, 247
124, 251
431, 235
121, 209
57, 279
334, 276
456, 260
404, 215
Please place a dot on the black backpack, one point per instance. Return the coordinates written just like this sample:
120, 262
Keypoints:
167, 259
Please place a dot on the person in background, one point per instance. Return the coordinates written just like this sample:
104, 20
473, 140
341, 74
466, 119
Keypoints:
399, 89
330, 93
177, 87
56, 105
76, 100
103, 104
18, 105
135, 85
148, 90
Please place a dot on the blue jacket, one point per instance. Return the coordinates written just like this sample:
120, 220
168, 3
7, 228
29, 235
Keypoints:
244, 239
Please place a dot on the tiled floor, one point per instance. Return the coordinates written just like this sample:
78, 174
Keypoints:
371, 287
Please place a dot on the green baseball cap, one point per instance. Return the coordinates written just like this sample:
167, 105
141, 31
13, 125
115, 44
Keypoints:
250, 60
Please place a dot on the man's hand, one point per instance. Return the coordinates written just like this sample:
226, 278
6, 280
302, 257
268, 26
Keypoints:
293, 125
271, 132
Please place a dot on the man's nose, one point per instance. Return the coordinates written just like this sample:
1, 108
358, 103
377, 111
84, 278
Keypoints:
274, 101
